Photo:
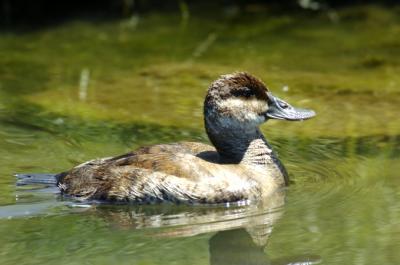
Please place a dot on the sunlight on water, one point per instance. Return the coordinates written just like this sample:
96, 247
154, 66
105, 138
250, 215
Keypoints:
64, 101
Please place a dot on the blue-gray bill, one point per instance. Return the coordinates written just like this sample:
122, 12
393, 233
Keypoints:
281, 110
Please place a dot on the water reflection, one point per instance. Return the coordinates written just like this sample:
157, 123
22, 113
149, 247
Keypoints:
241, 232
236, 247
183, 221
235, 235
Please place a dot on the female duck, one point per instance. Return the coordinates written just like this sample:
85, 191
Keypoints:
242, 166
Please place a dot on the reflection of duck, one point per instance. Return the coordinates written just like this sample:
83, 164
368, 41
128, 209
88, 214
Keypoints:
184, 221
235, 247
241, 167
239, 234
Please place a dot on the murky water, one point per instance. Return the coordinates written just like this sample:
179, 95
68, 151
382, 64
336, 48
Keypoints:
77, 91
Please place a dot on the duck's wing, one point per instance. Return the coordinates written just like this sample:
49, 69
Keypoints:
150, 156
184, 172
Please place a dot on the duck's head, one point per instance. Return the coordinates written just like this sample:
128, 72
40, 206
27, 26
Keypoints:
241, 98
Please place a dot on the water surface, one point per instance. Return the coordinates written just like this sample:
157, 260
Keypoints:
81, 90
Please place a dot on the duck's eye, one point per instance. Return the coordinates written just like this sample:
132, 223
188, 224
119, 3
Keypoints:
243, 92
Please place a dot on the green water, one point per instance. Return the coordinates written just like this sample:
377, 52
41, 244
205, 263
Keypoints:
82, 90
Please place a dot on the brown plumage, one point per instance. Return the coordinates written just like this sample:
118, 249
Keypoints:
241, 167
238, 84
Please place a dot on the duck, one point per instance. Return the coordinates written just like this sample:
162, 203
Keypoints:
239, 166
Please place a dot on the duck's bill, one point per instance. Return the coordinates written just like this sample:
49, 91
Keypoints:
281, 110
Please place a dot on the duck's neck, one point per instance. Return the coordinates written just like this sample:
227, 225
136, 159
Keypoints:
237, 143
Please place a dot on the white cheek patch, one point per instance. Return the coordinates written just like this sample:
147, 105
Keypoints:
244, 109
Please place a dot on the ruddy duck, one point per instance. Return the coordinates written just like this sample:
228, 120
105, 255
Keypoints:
240, 167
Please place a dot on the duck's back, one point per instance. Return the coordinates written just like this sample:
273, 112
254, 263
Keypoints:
182, 172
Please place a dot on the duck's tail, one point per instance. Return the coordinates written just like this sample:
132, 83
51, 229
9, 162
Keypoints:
34, 178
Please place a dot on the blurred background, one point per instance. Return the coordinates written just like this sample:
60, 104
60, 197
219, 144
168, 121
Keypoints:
87, 79
29, 14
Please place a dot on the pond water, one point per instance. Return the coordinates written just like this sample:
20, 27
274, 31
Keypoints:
81, 90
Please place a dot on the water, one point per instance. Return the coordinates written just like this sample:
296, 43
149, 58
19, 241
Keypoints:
78, 91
